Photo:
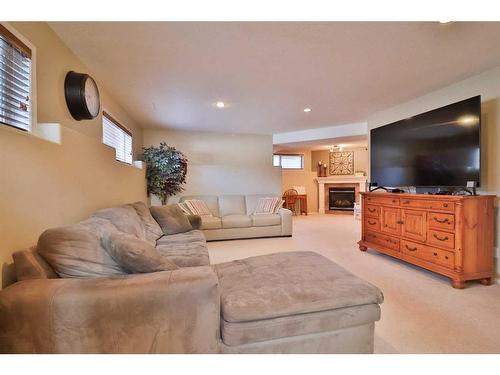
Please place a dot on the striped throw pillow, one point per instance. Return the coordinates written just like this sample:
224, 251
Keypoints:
184, 208
278, 206
266, 205
197, 207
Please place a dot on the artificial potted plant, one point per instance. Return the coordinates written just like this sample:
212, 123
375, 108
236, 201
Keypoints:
166, 170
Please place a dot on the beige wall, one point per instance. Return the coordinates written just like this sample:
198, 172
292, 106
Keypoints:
45, 184
360, 159
302, 177
486, 85
222, 163
307, 176
54, 60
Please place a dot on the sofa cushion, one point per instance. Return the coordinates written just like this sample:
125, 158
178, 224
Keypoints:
212, 202
190, 254
236, 221
151, 227
191, 236
30, 265
264, 220
135, 255
232, 205
242, 333
211, 222
76, 251
291, 283
171, 218
124, 218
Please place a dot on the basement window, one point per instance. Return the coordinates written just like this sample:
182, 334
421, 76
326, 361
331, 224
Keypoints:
117, 136
15, 81
288, 161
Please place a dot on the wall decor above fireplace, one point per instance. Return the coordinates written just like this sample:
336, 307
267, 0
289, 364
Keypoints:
342, 163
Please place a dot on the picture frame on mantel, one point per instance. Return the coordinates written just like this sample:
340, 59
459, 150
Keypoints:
341, 163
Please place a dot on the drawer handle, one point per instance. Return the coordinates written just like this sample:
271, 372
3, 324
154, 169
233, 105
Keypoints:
411, 248
400, 222
444, 221
372, 209
445, 238
446, 257
435, 254
445, 205
393, 201
372, 222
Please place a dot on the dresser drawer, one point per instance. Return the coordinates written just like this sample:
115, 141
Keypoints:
383, 200
383, 240
441, 221
441, 239
372, 211
442, 206
372, 223
426, 204
442, 257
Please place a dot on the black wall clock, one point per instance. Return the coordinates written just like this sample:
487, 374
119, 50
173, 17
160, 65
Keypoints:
82, 96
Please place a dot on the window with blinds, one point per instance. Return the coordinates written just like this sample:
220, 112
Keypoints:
288, 161
118, 137
15, 81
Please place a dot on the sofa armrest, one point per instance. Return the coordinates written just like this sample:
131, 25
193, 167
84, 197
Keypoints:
163, 312
195, 221
286, 221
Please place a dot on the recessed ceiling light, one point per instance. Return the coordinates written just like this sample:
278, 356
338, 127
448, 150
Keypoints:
444, 21
307, 110
220, 104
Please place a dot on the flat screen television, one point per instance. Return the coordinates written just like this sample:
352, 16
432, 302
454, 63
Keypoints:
438, 148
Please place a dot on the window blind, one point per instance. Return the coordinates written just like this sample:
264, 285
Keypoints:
15, 81
288, 161
116, 136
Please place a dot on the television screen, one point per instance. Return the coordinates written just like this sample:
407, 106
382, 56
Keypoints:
436, 148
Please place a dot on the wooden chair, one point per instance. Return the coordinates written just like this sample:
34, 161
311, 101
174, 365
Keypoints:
290, 198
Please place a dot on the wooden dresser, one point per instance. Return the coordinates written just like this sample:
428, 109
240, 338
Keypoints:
450, 235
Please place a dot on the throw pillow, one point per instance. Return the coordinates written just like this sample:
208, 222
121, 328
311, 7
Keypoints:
124, 218
278, 206
171, 218
76, 251
198, 207
153, 230
185, 209
266, 205
135, 255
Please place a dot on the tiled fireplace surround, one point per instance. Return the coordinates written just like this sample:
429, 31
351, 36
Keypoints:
324, 183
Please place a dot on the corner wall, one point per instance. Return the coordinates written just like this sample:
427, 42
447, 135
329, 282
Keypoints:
45, 184
485, 84
222, 163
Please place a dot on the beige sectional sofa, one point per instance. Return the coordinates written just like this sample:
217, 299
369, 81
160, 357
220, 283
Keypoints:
295, 302
233, 218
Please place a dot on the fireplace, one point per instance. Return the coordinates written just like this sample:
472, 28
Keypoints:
341, 198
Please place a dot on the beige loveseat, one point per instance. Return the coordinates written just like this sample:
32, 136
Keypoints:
296, 302
233, 217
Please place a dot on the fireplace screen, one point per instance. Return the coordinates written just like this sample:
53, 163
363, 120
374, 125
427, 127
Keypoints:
342, 198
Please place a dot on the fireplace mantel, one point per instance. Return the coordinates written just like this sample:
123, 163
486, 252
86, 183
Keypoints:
332, 180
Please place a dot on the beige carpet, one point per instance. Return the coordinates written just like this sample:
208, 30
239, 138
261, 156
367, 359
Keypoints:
422, 313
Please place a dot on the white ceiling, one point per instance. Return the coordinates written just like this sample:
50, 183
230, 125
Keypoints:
169, 74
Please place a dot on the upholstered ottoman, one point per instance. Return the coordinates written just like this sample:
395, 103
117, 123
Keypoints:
295, 302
